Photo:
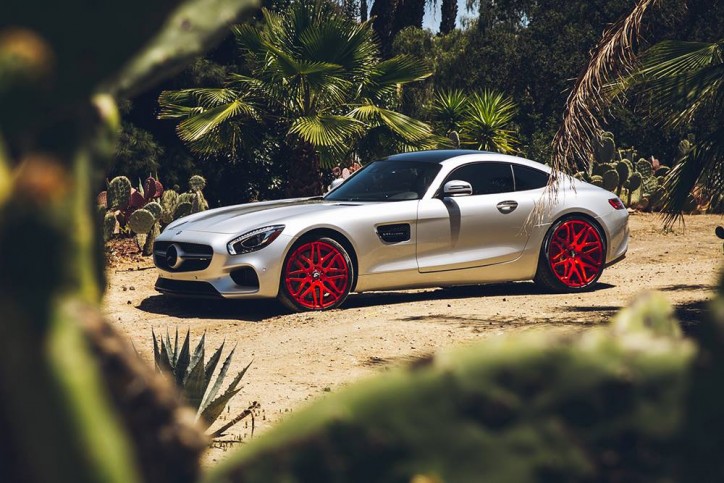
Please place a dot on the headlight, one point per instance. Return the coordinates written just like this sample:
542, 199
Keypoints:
254, 240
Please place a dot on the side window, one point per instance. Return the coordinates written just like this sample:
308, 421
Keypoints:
529, 178
485, 178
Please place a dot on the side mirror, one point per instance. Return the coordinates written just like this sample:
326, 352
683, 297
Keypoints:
457, 188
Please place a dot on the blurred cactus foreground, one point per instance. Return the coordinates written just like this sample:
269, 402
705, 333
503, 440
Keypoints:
630, 402
63, 417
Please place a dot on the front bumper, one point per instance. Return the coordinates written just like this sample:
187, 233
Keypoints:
226, 275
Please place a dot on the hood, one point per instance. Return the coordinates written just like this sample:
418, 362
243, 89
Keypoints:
242, 218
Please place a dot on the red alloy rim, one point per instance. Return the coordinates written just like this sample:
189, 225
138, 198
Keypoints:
316, 275
576, 253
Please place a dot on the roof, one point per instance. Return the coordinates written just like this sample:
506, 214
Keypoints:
433, 156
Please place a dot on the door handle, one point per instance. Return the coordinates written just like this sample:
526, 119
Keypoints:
507, 206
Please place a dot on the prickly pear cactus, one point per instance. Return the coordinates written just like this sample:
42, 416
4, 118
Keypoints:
602, 406
141, 221
634, 182
147, 249
137, 199
597, 181
199, 203
605, 149
155, 209
624, 171
109, 225
182, 209
645, 167
152, 188
119, 192
197, 183
610, 180
662, 171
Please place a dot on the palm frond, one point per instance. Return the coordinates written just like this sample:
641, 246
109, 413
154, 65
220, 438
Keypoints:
408, 128
326, 130
388, 75
585, 107
197, 126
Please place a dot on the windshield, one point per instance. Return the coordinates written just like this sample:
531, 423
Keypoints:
387, 181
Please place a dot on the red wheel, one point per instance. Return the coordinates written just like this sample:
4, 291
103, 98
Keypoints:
573, 255
317, 275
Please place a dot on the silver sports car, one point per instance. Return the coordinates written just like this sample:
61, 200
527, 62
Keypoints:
423, 219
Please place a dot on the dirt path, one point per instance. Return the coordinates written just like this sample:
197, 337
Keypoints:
298, 357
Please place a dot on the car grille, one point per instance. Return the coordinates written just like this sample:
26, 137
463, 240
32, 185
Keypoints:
187, 288
195, 256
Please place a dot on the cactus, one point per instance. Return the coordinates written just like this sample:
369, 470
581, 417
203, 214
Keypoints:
147, 249
644, 167
610, 180
454, 137
511, 403
141, 221
182, 209
109, 226
119, 193
152, 188
597, 180
197, 183
649, 185
605, 149
624, 171
155, 208
137, 200
662, 171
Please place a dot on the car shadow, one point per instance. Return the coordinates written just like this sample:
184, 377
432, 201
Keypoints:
248, 310
262, 309
450, 293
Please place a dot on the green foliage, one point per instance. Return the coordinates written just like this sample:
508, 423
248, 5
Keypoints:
520, 407
319, 75
194, 376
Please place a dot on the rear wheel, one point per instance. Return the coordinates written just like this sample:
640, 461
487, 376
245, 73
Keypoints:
572, 256
317, 275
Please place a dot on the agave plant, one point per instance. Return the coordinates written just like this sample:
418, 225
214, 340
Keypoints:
193, 377
489, 120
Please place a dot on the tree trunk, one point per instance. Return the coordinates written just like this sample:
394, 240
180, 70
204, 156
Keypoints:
383, 12
449, 16
363, 10
304, 175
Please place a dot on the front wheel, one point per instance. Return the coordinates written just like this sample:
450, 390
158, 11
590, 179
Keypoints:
317, 275
572, 256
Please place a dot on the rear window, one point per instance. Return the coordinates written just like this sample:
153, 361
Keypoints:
529, 178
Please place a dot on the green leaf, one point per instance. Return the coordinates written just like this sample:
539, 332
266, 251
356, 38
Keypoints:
190, 30
219, 379
199, 125
211, 366
216, 407
193, 384
406, 127
182, 363
326, 130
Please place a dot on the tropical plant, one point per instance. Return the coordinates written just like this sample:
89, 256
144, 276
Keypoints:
483, 120
489, 120
193, 377
315, 75
681, 80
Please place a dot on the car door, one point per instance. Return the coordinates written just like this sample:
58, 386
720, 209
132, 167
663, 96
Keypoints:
484, 228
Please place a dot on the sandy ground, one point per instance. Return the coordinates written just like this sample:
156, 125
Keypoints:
298, 357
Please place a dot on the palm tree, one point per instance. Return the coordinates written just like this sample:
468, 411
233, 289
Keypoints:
682, 79
318, 77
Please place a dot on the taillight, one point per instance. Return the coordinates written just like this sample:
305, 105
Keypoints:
616, 203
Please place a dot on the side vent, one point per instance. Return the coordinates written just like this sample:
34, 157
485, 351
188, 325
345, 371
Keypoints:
397, 233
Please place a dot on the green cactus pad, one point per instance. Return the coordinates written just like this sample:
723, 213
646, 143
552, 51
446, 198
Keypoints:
169, 200
634, 181
624, 171
645, 167
662, 171
155, 208
109, 226
186, 198
183, 209
650, 184
605, 149
119, 193
197, 183
610, 180
199, 203
141, 221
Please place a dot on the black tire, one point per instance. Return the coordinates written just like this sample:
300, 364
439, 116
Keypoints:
321, 285
575, 270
